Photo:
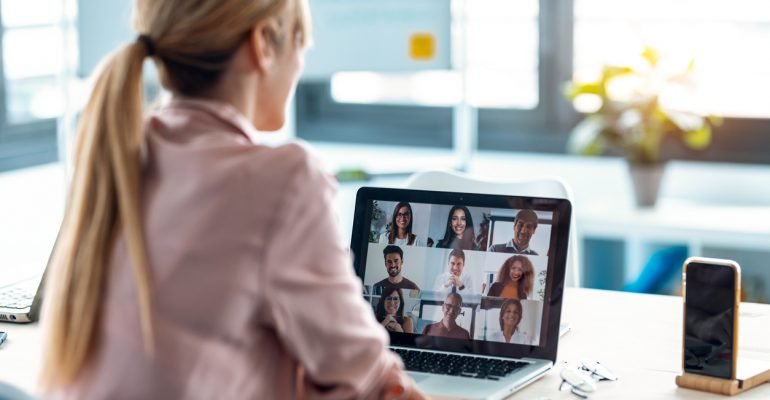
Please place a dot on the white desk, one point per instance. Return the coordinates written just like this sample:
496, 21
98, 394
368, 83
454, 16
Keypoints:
637, 336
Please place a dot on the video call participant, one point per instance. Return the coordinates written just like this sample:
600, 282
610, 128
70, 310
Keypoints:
515, 279
459, 233
390, 311
400, 232
510, 316
455, 278
448, 325
524, 227
394, 262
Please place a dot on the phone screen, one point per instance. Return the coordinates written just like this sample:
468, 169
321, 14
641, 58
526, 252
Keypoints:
709, 320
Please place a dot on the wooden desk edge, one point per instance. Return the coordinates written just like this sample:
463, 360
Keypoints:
728, 387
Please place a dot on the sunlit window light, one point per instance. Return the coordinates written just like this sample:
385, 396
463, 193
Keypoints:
725, 40
496, 76
587, 103
357, 87
47, 102
437, 88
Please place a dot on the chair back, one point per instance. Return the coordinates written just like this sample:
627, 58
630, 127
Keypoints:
553, 187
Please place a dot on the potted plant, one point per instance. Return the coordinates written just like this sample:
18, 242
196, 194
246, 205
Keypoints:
630, 119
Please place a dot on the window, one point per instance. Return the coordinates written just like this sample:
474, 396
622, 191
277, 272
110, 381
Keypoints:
725, 40
519, 56
498, 43
501, 58
32, 51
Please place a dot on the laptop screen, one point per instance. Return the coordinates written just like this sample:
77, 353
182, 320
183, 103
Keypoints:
463, 272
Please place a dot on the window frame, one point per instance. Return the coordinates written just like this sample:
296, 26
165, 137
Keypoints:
23, 144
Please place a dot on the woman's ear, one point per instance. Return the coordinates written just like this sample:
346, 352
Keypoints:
262, 46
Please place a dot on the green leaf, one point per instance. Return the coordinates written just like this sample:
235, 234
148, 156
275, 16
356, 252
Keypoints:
651, 55
613, 71
698, 139
586, 137
575, 90
715, 120
691, 65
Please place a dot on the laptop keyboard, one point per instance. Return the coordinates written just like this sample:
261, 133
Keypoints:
457, 365
16, 297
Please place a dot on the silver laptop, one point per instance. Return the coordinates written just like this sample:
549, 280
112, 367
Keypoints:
468, 286
20, 301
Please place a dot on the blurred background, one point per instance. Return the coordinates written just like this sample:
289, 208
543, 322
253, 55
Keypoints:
492, 87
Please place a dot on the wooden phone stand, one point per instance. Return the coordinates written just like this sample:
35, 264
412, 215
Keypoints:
721, 386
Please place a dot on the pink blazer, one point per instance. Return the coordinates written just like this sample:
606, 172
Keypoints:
251, 278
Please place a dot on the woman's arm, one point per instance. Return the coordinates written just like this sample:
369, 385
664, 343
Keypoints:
311, 298
408, 325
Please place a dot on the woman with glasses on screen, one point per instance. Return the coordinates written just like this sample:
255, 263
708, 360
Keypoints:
400, 232
390, 311
459, 232
179, 273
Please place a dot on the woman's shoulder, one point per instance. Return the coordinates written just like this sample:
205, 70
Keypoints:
296, 155
294, 163
495, 289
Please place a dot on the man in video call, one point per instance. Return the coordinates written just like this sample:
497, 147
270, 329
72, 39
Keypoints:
394, 262
524, 227
448, 325
454, 279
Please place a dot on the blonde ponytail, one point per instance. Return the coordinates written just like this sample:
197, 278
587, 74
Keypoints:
104, 200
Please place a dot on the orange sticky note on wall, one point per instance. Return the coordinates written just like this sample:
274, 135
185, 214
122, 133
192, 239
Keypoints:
422, 46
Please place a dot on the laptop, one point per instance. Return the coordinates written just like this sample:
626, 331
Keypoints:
20, 301
468, 286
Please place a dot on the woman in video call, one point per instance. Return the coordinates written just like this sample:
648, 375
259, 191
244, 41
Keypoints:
400, 232
459, 233
515, 279
511, 313
390, 311
178, 272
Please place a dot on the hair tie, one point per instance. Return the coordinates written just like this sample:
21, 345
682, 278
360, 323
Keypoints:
148, 44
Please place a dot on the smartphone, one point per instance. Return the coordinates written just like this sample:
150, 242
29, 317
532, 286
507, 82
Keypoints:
711, 290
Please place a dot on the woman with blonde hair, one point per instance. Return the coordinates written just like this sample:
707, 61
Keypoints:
515, 279
178, 272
